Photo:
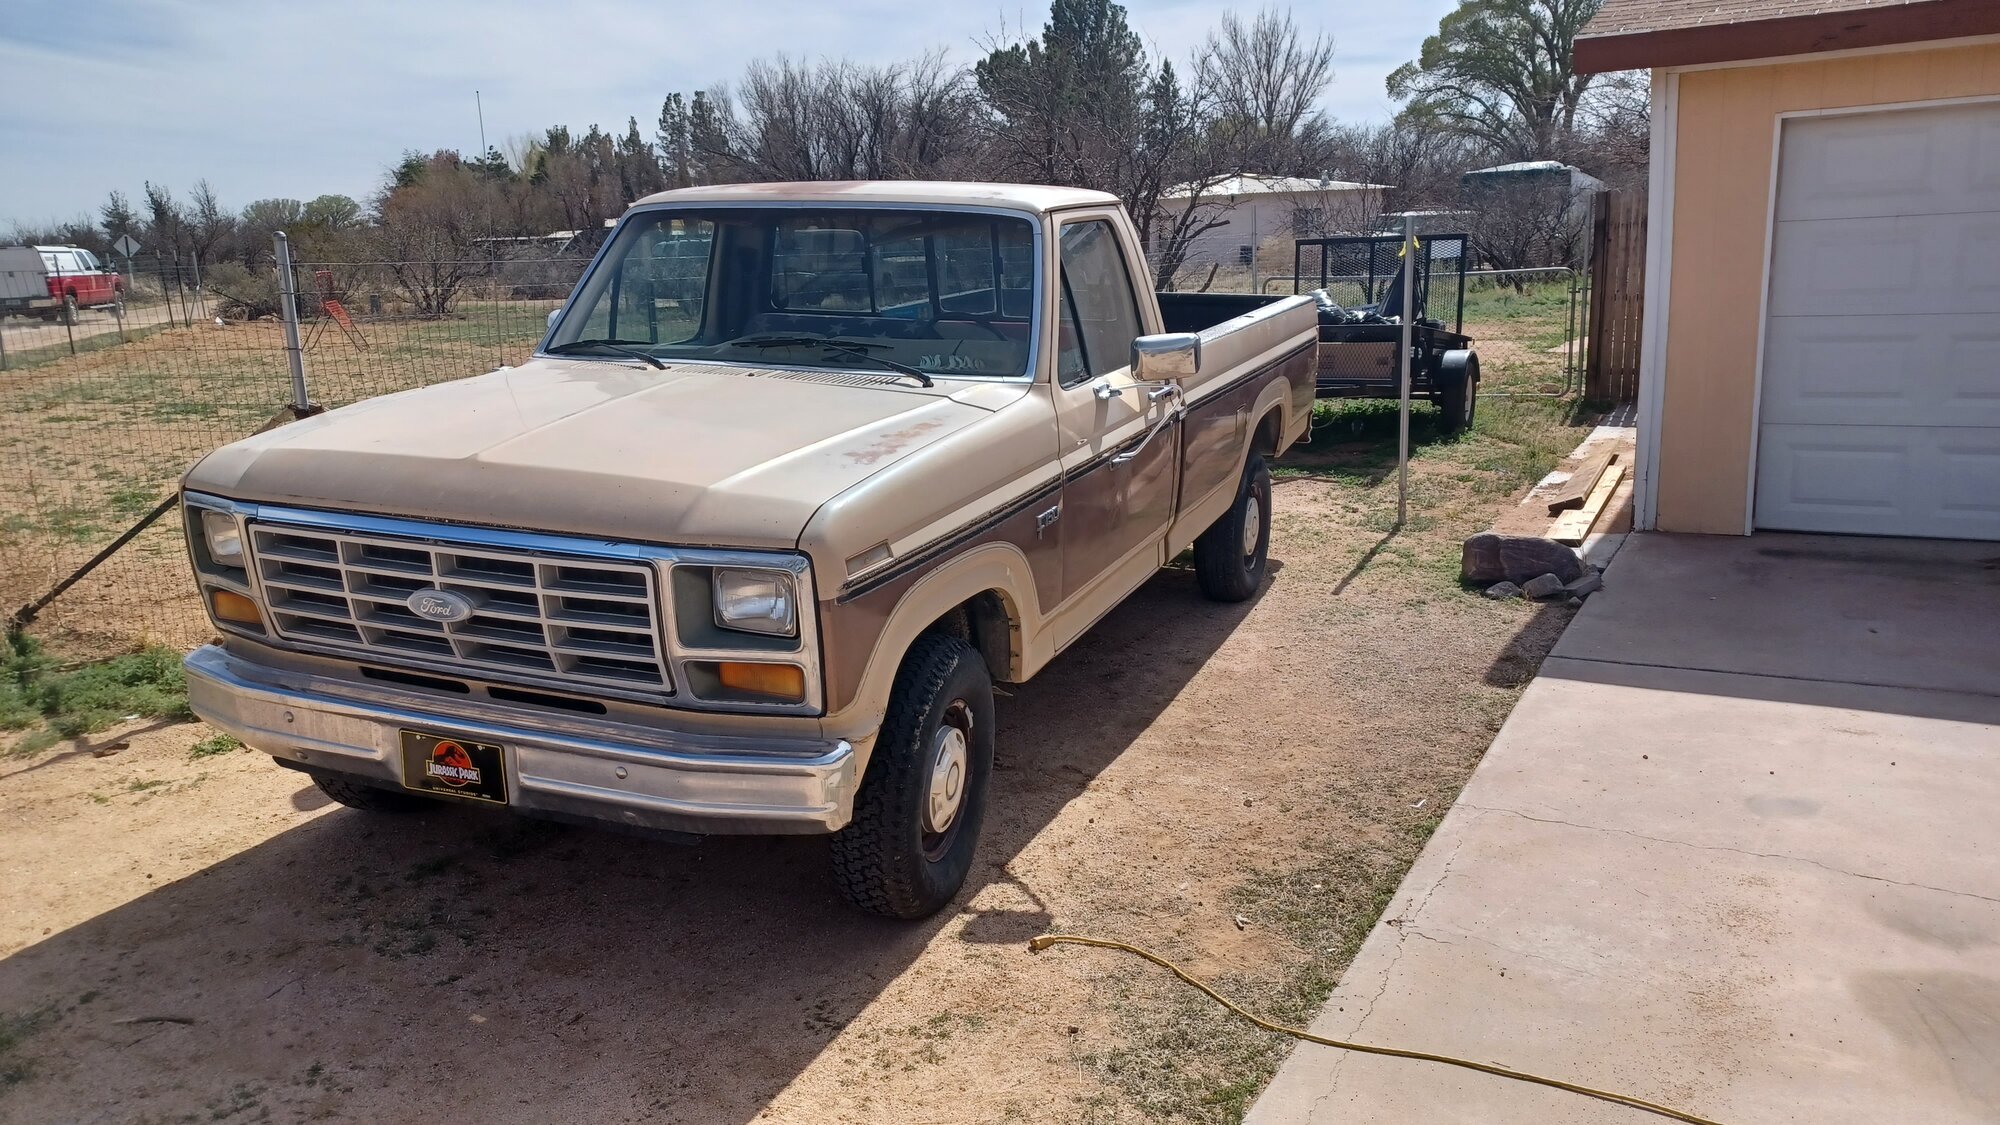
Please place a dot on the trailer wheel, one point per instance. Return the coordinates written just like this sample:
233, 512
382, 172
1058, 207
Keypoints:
1231, 556
1459, 400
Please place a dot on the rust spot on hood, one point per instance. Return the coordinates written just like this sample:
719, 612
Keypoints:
894, 441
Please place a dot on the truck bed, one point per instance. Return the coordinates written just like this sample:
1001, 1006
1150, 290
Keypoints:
1198, 312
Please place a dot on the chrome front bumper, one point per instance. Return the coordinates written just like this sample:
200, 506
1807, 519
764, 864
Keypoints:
567, 765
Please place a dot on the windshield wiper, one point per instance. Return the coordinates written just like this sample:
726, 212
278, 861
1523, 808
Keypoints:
619, 346
856, 348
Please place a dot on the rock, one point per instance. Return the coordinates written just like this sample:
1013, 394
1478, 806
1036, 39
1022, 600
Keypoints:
1590, 583
1575, 603
1542, 586
1501, 591
1492, 557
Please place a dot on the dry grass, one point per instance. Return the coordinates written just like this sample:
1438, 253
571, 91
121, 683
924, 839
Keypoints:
99, 438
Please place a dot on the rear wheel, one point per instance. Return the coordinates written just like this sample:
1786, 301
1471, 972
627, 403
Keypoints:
923, 798
1230, 558
372, 798
70, 312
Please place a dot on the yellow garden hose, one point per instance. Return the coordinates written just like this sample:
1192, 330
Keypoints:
1046, 940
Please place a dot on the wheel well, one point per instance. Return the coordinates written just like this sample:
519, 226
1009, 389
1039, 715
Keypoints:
1270, 428
983, 622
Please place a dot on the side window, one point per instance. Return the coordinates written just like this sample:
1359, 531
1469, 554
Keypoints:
1099, 307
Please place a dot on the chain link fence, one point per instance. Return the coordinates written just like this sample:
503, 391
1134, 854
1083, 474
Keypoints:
100, 417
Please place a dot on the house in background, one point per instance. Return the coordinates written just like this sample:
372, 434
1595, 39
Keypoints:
1822, 299
1258, 217
1564, 177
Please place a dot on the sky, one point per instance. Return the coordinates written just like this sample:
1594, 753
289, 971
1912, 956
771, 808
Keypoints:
268, 99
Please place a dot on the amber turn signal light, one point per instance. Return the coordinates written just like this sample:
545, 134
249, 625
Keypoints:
777, 681
234, 607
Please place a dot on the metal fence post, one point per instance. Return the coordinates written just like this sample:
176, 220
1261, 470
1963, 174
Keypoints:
288, 307
1403, 421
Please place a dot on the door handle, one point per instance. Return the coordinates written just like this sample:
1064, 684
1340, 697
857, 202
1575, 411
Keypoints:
1164, 390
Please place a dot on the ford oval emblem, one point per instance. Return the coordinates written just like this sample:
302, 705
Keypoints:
441, 606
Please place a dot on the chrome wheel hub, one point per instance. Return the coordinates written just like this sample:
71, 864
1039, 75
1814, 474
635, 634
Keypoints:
1253, 526
950, 760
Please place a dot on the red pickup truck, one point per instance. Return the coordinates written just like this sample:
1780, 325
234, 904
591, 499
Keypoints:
56, 282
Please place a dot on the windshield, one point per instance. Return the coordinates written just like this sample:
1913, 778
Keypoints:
945, 292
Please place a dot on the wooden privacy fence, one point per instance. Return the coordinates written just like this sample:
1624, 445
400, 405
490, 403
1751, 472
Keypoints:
1617, 296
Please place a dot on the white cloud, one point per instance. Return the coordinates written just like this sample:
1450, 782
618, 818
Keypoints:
268, 99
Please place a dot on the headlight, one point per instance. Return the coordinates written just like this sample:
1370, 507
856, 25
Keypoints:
223, 537
756, 601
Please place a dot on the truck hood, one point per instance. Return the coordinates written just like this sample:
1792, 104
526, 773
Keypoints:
697, 455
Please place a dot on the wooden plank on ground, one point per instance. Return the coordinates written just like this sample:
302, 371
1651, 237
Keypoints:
1571, 528
1577, 489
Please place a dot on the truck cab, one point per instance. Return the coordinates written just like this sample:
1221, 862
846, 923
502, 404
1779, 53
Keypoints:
798, 474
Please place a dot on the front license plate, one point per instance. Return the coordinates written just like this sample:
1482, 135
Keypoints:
454, 767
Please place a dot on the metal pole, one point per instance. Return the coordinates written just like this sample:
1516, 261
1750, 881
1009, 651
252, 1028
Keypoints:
288, 307
1403, 419
118, 302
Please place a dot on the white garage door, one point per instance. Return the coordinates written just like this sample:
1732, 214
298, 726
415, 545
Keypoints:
1881, 399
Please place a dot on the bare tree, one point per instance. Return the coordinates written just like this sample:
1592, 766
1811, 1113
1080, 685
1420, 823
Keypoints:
430, 227
792, 120
1418, 163
1266, 80
1527, 221
209, 223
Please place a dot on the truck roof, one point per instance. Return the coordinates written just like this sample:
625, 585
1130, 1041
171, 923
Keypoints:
1018, 197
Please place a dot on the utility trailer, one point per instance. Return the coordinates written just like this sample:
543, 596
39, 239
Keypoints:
24, 282
1360, 294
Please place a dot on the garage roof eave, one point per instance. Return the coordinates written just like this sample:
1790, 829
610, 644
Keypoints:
1647, 34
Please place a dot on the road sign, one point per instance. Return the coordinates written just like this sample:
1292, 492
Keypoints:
126, 245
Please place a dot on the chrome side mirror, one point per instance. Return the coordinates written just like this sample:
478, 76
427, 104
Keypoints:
553, 314
1166, 358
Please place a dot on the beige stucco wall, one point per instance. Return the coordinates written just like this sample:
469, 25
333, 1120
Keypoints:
1722, 195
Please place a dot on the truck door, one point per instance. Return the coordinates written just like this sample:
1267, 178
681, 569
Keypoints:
1118, 442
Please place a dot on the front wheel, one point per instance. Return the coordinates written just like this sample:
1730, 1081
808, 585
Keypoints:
923, 798
1231, 556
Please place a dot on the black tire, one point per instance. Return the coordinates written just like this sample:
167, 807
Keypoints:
70, 313
1231, 556
889, 860
1458, 403
371, 798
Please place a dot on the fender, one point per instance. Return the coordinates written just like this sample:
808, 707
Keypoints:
996, 566
1453, 368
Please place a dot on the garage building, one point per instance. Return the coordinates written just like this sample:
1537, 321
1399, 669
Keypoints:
1822, 318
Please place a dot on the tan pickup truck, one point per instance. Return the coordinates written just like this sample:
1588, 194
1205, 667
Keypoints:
799, 472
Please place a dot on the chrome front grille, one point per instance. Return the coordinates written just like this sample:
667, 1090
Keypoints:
541, 616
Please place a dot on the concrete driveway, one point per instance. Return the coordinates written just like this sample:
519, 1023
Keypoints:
1737, 850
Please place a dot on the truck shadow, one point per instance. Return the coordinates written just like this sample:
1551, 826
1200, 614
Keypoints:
462, 965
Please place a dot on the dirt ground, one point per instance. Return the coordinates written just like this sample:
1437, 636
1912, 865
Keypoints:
1238, 787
